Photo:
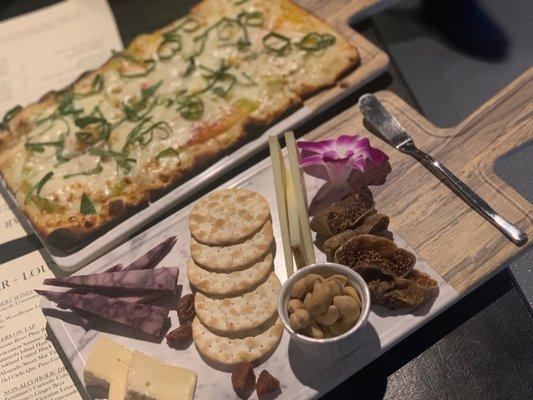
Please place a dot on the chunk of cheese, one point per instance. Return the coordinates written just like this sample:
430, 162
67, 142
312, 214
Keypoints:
279, 171
148, 379
108, 363
301, 198
117, 389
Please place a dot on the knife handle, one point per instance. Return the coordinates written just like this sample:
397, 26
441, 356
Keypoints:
515, 235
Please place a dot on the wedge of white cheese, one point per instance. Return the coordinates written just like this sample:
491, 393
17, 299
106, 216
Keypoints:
107, 366
148, 379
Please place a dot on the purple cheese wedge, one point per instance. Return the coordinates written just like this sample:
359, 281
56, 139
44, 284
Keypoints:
122, 282
115, 268
146, 318
152, 257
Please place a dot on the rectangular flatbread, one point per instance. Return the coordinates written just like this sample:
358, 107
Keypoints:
83, 159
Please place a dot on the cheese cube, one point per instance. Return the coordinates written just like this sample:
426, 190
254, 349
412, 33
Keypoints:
148, 379
107, 363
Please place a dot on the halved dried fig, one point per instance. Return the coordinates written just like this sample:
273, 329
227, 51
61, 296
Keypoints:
412, 291
373, 224
343, 214
364, 250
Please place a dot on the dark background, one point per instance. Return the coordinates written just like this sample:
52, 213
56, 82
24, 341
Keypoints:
447, 58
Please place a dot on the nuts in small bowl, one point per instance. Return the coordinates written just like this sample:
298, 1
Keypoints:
325, 308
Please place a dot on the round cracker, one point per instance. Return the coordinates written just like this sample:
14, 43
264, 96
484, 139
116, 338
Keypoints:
230, 284
228, 352
228, 216
233, 257
242, 315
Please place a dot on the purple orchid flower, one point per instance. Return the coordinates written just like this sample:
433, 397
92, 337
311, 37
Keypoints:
334, 160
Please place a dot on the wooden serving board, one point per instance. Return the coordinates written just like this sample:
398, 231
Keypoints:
373, 62
462, 246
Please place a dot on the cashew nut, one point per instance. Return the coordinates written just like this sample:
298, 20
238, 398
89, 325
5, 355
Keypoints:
299, 289
306, 301
348, 308
314, 330
340, 327
336, 284
300, 319
352, 292
310, 281
294, 304
329, 317
320, 299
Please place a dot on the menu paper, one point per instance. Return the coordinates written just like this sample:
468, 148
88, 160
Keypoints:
47, 50
29, 365
10, 228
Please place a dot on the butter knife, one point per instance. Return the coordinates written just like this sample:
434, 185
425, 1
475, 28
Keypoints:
393, 133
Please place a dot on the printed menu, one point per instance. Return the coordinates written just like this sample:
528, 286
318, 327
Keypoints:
46, 50
30, 368
10, 228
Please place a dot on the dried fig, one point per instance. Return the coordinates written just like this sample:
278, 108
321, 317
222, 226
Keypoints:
266, 383
243, 378
185, 308
180, 335
343, 214
365, 250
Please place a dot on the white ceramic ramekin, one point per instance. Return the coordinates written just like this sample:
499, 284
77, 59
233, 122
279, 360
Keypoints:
338, 346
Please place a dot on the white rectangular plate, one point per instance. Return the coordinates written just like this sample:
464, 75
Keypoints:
301, 376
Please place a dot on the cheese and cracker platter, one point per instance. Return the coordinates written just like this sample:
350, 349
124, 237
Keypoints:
176, 109
267, 287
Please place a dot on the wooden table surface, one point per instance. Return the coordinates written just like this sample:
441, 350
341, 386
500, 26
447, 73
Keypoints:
478, 349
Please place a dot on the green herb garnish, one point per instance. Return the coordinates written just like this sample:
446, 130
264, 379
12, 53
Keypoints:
191, 107
92, 171
39, 146
220, 81
254, 18
132, 111
39, 186
191, 66
169, 46
251, 81
143, 134
148, 65
10, 114
168, 152
86, 206
315, 41
277, 44
96, 87
97, 120
120, 158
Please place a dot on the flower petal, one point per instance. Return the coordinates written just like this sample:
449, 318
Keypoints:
338, 158
317, 147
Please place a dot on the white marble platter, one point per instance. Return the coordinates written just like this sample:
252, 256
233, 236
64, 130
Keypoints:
301, 376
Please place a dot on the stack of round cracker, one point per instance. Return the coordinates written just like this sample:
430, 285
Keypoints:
231, 269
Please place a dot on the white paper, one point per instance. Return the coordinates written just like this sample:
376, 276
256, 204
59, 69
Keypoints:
45, 50
29, 365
